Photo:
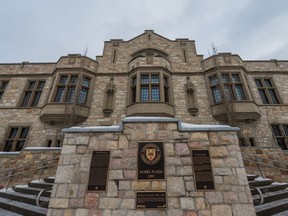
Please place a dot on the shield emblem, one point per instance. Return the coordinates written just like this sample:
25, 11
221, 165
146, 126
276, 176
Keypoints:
150, 153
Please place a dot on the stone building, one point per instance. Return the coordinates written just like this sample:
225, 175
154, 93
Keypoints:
147, 90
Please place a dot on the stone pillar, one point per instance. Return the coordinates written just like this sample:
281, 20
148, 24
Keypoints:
231, 195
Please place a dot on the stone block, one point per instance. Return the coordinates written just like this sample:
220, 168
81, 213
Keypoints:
76, 202
123, 142
173, 203
65, 174
91, 200
213, 197
181, 149
175, 212
59, 203
130, 174
173, 161
218, 152
186, 203
72, 190
112, 189
82, 140
175, 186
222, 171
199, 136
169, 149
82, 212
128, 204
124, 185
158, 185
199, 203
218, 210
109, 203
243, 209
116, 175
184, 170
230, 197
68, 149
141, 185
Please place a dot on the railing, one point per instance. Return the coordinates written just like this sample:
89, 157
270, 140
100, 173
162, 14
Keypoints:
38, 199
9, 174
257, 160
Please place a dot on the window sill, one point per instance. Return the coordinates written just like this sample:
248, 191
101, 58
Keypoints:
61, 112
242, 110
150, 109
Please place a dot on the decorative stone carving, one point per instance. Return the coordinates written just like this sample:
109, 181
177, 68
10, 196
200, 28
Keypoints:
192, 105
109, 97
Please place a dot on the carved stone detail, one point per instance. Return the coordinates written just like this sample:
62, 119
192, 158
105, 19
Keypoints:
109, 97
192, 105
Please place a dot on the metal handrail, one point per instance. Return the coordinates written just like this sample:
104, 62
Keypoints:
39, 196
260, 193
275, 167
28, 165
15, 171
279, 162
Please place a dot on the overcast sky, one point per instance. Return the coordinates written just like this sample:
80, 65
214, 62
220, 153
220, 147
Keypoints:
42, 31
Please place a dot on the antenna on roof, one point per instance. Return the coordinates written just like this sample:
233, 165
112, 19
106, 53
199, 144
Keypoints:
86, 51
214, 49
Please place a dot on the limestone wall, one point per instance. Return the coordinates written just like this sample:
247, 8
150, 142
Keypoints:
231, 195
267, 162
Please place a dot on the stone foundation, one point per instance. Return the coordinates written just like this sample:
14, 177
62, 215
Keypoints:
231, 195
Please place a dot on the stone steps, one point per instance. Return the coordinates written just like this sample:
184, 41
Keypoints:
21, 199
274, 195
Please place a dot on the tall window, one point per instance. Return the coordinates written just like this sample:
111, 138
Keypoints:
15, 139
3, 86
67, 89
280, 132
152, 88
267, 90
32, 93
232, 85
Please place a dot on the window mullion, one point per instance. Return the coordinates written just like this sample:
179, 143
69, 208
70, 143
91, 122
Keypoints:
16, 139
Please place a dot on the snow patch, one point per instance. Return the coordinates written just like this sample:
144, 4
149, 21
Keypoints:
10, 153
262, 179
8, 190
279, 183
37, 181
42, 148
21, 186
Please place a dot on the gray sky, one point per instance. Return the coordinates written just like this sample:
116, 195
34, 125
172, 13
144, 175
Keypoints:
42, 31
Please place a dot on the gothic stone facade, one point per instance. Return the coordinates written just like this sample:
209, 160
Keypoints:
151, 76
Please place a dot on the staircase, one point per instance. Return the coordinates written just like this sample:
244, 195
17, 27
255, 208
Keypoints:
21, 199
275, 196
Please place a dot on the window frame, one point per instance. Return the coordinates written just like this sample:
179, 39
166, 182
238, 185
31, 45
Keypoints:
266, 90
3, 88
217, 84
283, 135
16, 139
33, 96
68, 85
163, 86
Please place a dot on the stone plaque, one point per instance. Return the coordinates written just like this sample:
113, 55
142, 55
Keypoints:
98, 170
150, 160
202, 169
151, 200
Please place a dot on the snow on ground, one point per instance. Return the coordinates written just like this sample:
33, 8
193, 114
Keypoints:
279, 183
262, 179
